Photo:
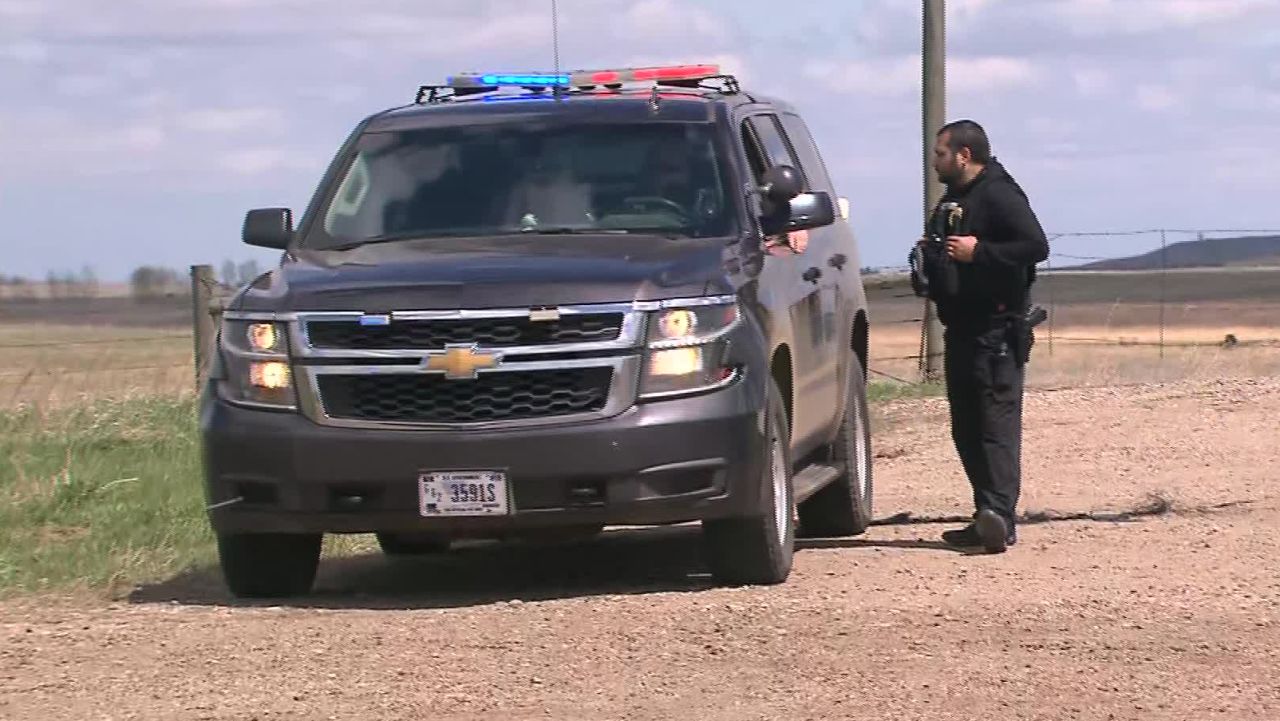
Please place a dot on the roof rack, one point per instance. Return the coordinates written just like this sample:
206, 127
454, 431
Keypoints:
728, 84
683, 76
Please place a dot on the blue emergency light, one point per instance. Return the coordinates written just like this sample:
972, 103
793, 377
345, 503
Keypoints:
478, 83
494, 80
584, 78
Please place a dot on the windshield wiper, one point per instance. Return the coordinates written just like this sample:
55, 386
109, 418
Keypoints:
394, 237
375, 239
574, 231
550, 230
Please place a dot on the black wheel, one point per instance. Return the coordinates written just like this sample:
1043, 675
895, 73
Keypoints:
412, 544
266, 565
844, 506
758, 549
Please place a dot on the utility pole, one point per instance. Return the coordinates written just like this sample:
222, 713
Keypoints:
935, 111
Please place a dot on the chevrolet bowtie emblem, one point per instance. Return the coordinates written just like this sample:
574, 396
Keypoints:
460, 362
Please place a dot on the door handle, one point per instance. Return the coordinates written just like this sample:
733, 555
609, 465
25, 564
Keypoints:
812, 275
838, 260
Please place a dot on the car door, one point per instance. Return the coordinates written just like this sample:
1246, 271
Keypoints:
810, 299
833, 253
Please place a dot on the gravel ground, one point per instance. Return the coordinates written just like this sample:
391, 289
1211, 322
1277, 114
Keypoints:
1112, 615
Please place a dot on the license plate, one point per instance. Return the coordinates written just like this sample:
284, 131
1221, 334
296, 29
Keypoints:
463, 493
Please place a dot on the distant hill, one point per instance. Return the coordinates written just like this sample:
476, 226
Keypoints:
1208, 253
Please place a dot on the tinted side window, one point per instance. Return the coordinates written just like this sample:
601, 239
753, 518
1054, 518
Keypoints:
811, 160
754, 155
775, 143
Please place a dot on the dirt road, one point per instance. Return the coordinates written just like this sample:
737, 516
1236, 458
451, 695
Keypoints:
1167, 616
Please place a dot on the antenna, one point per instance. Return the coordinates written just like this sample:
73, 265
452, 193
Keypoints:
555, 34
555, 44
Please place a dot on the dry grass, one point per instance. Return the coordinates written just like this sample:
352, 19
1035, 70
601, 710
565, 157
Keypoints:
1105, 329
62, 366
1099, 354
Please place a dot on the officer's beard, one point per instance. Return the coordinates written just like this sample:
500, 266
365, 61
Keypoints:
949, 177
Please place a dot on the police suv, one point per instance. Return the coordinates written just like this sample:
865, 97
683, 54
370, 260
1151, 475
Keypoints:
547, 303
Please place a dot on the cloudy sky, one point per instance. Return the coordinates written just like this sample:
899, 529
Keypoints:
139, 131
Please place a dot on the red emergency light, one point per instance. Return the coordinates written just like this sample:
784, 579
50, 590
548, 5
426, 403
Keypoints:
643, 75
471, 83
676, 72
585, 78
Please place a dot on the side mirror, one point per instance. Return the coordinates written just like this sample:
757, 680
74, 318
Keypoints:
811, 210
268, 228
780, 183
803, 212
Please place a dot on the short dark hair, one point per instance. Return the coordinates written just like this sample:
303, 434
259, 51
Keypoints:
968, 134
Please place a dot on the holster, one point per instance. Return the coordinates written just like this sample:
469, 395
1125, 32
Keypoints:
1021, 334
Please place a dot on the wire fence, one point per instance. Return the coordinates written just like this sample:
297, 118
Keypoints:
58, 373
60, 352
1176, 313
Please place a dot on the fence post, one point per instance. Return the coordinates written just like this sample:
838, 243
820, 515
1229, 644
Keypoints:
1053, 308
1163, 274
202, 325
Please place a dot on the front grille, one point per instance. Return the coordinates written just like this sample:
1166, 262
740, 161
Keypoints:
489, 332
505, 396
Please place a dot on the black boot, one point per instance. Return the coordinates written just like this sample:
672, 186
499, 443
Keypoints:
966, 537
993, 531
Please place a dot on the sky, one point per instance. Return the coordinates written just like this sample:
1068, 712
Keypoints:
139, 131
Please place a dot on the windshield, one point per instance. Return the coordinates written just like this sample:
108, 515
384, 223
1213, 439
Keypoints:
497, 179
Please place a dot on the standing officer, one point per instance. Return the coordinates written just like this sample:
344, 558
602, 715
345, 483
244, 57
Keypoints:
980, 281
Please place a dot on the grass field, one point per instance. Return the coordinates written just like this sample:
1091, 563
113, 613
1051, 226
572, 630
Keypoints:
100, 497
56, 366
1100, 355
1106, 327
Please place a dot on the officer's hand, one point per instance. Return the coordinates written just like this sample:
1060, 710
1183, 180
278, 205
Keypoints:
961, 247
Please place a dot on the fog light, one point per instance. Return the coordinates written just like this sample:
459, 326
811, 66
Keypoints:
272, 375
263, 337
675, 362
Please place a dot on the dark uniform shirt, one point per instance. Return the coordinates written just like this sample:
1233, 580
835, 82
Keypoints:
1010, 243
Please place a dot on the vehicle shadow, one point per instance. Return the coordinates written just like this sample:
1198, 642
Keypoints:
618, 562
900, 543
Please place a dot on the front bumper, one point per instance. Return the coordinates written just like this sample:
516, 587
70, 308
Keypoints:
660, 462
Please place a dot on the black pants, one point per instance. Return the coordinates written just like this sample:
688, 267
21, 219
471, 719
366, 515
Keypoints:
984, 389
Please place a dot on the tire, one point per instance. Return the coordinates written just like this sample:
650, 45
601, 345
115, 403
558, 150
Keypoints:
844, 506
759, 549
412, 544
269, 565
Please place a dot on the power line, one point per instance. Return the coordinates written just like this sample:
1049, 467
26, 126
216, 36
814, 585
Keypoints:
1157, 231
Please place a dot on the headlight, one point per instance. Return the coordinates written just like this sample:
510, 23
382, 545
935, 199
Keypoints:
686, 350
256, 361
683, 327
263, 337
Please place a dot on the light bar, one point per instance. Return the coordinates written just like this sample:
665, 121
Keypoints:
676, 72
583, 78
493, 80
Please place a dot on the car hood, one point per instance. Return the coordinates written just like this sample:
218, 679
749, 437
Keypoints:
498, 272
